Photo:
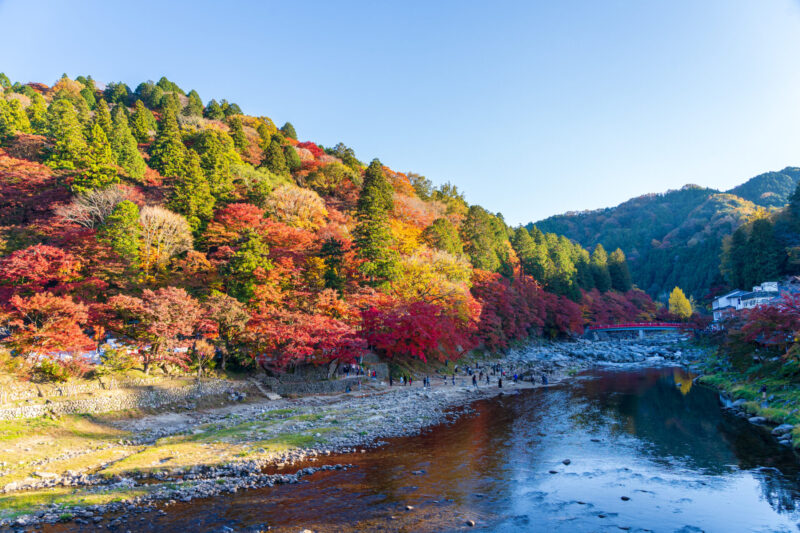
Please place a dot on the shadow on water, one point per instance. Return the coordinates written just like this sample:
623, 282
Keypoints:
646, 449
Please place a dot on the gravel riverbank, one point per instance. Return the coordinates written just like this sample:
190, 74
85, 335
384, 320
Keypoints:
179, 456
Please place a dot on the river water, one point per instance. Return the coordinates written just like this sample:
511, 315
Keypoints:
647, 451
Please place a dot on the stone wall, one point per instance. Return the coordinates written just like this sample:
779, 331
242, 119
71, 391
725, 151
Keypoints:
121, 398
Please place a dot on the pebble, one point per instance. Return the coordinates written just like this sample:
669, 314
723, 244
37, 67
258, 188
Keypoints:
566, 461
471, 523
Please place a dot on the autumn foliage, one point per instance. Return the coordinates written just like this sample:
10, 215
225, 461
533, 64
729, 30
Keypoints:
192, 234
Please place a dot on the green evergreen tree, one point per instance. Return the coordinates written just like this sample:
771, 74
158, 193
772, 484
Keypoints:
218, 154
602, 279
4, 81
618, 271
293, 161
89, 97
117, 93
168, 152
170, 104
249, 262
484, 239
213, 111
191, 195
99, 171
124, 146
142, 122
332, 252
13, 118
525, 248
37, 114
583, 273
735, 258
274, 157
441, 234
228, 109
69, 149
764, 258
150, 94
288, 131
794, 204
102, 117
237, 133
122, 232
194, 107
373, 238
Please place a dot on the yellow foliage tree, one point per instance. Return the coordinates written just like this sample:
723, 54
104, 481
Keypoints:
679, 304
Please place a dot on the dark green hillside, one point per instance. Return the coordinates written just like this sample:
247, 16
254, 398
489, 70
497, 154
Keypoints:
674, 238
771, 189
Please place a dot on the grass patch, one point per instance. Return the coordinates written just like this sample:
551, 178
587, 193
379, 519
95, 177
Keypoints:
19, 503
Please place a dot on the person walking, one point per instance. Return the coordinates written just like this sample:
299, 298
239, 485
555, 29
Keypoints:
487, 378
500, 382
390, 380
474, 381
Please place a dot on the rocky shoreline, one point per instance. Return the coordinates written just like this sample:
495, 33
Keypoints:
360, 420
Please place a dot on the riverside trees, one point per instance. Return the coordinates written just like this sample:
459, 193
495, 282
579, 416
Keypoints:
165, 224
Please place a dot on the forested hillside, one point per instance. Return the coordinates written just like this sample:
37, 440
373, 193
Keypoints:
771, 189
675, 238
197, 234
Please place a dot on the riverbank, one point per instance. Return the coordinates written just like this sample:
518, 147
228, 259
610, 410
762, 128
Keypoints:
83, 467
779, 406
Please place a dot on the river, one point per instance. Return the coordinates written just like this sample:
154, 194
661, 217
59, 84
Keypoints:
646, 451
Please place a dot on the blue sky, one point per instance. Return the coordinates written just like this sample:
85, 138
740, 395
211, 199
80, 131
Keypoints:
531, 108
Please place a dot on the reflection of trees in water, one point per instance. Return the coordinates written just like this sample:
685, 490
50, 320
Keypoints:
467, 457
678, 421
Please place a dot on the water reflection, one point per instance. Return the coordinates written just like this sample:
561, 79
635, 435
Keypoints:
646, 450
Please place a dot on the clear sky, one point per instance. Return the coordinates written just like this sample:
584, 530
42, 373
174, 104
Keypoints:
531, 108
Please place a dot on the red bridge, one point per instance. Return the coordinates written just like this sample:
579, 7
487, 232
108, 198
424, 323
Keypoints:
641, 327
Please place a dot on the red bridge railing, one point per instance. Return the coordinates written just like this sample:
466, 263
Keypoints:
640, 325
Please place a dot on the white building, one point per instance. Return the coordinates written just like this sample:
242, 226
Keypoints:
737, 300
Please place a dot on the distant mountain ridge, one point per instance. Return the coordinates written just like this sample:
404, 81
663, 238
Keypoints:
673, 238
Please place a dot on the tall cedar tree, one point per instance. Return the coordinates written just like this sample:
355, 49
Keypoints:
293, 161
102, 117
373, 238
213, 111
332, 254
288, 130
37, 114
237, 132
443, 235
69, 150
167, 155
194, 105
217, 154
124, 146
618, 271
12, 118
191, 195
248, 264
274, 157
122, 232
764, 254
602, 279
483, 239
99, 171
142, 122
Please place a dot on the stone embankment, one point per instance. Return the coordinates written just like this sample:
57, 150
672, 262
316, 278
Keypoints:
96, 397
